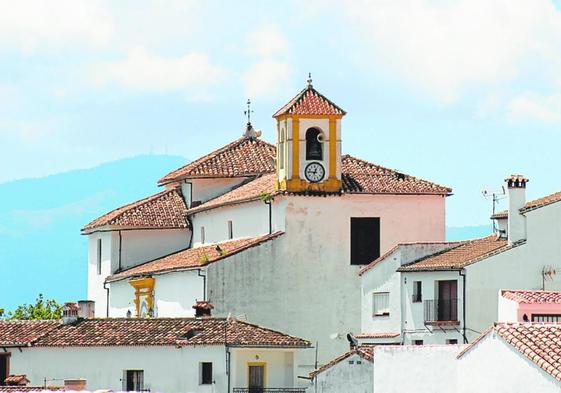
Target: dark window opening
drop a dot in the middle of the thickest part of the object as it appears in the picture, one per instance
(314, 148)
(365, 240)
(417, 342)
(546, 318)
(98, 256)
(134, 380)
(206, 373)
(230, 230)
(417, 291)
(452, 341)
(4, 367)
(447, 300)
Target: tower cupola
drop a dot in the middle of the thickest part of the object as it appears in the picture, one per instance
(309, 143)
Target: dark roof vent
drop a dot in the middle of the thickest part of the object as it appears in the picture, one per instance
(202, 308)
(190, 334)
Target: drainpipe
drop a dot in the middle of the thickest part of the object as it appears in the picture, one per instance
(204, 282)
(107, 301)
(269, 202)
(120, 249)
(462, 273)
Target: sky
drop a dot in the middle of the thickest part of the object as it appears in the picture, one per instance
(460, 92)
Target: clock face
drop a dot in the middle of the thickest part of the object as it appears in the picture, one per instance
(314, 172)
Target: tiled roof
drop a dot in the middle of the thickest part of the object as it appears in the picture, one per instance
(364, 177)
(38, 389)
(458, 257)
(22, 333)
(194, 257)
(365, 352)
(17, 379)
(532, 205)
(243, 157)
(540, 343)
(163, 210)
(359, 177)
(309, 102)
(532, 297)
(167, 331)
(378, 335)
(499, 215)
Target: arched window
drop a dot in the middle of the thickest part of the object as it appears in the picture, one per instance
(314, 148)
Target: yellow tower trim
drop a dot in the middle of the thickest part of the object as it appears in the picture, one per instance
(295, 148)
(144, 287)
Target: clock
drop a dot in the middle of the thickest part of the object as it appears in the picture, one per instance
(314, 172)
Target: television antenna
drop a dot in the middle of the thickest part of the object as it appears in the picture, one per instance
(496, 195)
(548, 272)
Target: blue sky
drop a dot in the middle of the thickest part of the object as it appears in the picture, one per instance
(460, 92)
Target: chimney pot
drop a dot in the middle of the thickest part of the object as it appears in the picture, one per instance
(86, 309)
(516, 201)
(203, 308)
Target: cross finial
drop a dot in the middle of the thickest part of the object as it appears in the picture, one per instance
(248, 111)
(309, 80)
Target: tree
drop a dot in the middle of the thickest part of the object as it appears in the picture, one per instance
(42, 309)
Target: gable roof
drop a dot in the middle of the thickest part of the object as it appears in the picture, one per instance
(240, 158)
(365, 352)
(359, 177)
(540, 343)
(193, 257)
(15, 333)
(460, 256)
(310, 102)
(167, 331)
(164, 210)
(531, 296)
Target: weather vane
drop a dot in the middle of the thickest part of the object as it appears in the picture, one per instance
(309, 79)
(248, 111)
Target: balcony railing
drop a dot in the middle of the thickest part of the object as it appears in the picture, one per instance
(441, 311)
(269, 390)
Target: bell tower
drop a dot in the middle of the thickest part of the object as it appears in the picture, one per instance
(309, 143)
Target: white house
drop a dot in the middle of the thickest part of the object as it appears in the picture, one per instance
(352, 372)
(334, 213)
(529, 306)
(512, 358)
(203, 354)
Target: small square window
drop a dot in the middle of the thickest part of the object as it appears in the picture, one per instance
(452, 341)
(230, 230)
(381, 304)
(351, 362)
(205, 377)
(417, 342)
(417, 291)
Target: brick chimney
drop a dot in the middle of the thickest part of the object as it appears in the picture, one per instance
(69, 313)
(202, 308)
(516, 200)
(86, 309)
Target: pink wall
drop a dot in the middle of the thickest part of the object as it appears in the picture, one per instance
(541, 308)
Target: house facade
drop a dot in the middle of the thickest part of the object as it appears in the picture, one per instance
(529, 306)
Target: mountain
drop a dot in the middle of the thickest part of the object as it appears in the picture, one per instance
(41, 249)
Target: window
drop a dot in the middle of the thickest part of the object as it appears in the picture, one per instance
(381, 304)
(546, 318)
(417, 291)
(417, 342)
(365, 240)
(133, 380)
(230, 230)
(451, 341)
(314, 148)
(4, 367)
(98, 256)
(202, 234)
(205, 373)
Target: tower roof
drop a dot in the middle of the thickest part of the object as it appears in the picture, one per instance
(310, 102)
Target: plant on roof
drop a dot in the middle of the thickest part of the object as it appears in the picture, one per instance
(204, 258)
(265, 197)
(41, 309)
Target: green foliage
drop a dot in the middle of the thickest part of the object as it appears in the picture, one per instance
(265, 197)
(42, 309)
(1, 312)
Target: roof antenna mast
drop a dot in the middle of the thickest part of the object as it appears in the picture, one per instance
(248, 111)
(309, 80)
(496, 195)
(250, 132)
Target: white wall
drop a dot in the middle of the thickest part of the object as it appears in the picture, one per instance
(174, 295)
(205, 189)
(280, 367)
(166, 368)
(351, 375)
(508, 310)
(306, 277)
(96, 292)
(419, 369)
(494, 366)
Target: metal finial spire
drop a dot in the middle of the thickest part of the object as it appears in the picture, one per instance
(309, 80)
(248, 111)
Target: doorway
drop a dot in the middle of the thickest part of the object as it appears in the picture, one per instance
(256, 377)
(4, 367)
(448, 300)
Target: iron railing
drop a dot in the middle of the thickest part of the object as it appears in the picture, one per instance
(269, 390)
(441, 310)
(416, 298)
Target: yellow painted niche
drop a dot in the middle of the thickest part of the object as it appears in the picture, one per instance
(144, 288)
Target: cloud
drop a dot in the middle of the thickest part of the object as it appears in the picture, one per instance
(268, 42)
(145, 71)
(446, 47)
(536, 107)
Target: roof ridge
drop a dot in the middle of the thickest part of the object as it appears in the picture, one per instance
(297, 99)
(267, 328)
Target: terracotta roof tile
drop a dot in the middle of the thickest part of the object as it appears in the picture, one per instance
(359, 177)
(458, 257)
(23, 333)
(365, 352)
(310, 102)
(540, 343)
(166, 331)
(194, 257)
(532, 205)
(19, 379)
(378, 335)
(243, 157)
(531, 296)
(499, 215)
(166, 209)
(38, 389)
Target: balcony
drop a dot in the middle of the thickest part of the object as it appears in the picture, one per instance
(441, 312)
(269, 390)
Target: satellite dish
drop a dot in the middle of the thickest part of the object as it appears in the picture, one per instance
(353, 341)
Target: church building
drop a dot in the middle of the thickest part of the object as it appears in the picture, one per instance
(275, 234)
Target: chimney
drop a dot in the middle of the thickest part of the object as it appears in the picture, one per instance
(516, 200)
(69, 313)
(202, 308)
(86, 309)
